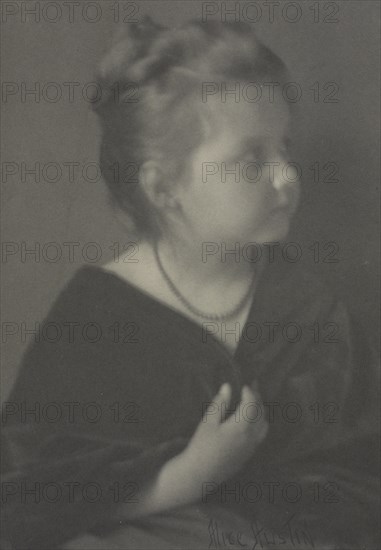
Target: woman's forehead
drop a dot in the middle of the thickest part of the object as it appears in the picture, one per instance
(250, 121)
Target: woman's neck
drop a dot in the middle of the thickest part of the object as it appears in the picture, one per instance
(205, 264)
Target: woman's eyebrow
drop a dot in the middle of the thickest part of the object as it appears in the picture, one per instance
(254, 145)
(257, 146)
(253, 142)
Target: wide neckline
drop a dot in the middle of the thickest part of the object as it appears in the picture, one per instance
(165, 308)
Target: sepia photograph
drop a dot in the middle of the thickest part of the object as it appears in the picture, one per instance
(190, 262)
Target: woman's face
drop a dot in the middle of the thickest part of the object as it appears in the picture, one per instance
(239, 186)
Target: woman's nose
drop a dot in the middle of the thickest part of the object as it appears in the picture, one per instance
(286, 175)
(286, 183)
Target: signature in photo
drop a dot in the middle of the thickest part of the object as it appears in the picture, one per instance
(289, 536)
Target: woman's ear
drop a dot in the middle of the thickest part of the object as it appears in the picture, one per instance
(156, 186)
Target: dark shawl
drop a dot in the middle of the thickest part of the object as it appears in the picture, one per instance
(150, 393)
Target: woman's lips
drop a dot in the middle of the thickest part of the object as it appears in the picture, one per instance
(285, 209)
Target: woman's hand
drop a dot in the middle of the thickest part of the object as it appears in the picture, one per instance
(217, 450)
(219, 447)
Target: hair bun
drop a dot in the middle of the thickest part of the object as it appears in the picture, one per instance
(147, 23)
(130, 43)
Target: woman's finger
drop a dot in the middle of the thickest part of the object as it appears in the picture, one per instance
(215, 411)
(248, 396)
(248, 414)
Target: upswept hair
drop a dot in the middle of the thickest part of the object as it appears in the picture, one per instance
(165, 120)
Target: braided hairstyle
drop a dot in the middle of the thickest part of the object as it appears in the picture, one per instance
(165, 118)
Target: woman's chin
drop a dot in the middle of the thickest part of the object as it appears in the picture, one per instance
(277, 227)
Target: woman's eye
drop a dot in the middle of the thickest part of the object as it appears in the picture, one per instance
(286, 149)
(252, 156)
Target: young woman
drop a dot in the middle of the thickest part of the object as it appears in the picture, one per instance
(173, 411)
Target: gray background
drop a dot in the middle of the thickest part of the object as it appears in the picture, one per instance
(345, 132)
